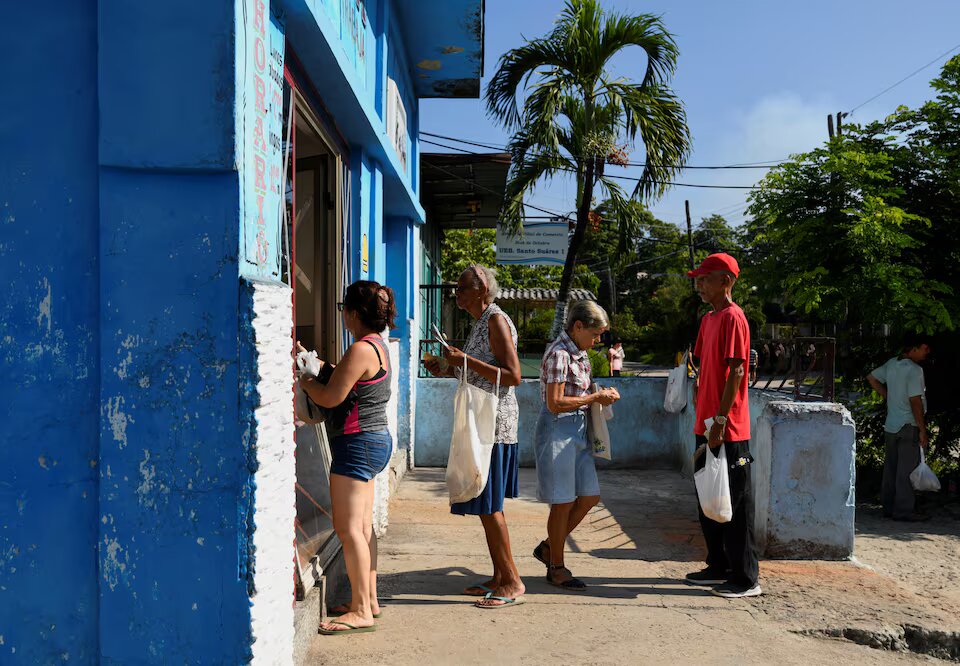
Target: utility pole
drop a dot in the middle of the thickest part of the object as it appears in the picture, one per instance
(830, 125)
(686, 205)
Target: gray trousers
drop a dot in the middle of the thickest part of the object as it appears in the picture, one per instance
(902, 457)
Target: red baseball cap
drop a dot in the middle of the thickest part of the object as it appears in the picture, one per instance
(717, 262)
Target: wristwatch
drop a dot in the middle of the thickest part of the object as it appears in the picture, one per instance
(720, 420)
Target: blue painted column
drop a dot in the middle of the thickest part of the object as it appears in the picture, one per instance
(173, 559)
(401, 245)
(361, 176)
(49, 350)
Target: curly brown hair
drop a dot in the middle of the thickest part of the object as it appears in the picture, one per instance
(373, 303)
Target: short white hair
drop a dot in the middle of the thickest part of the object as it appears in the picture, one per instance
(485, 276)
(589, 313)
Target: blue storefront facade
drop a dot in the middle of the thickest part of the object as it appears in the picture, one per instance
(184, 189)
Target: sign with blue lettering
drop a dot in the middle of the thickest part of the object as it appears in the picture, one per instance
(261, 152)
(542, 243)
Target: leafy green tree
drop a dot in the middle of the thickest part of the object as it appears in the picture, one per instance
(577, 115)
(828, 236)
(864, 232)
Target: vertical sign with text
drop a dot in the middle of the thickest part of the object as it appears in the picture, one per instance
(261, 163)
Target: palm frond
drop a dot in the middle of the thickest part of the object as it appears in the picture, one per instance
(656, 114)
(647, 32)
(524, 176)
(514, 69)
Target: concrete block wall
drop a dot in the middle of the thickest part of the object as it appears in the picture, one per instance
(808, 507)
(642, 433)
(273, 446)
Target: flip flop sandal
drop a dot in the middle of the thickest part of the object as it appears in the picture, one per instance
(335, 612)
(478, 586)
(573, 584)
(538, 554)
(507, 602)
(349, 630)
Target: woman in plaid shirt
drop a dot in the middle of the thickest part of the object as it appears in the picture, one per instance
(566, 476)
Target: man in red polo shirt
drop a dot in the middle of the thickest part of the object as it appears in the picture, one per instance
(723, 347)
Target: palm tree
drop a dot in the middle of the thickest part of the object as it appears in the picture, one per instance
(577, 117)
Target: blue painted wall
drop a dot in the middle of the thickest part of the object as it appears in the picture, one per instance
(49, 354)
(126, 495)
(173, 469)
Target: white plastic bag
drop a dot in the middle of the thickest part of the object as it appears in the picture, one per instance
(923, 479)
(308, 363)
(676, 398)
(713, 486)
(597, 431)
(471, 445)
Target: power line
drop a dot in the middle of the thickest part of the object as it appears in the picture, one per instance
(747, 165)
(630, 178)
(908, 76)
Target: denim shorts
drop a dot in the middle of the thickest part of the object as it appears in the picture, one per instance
(565, 466)
(361, 455)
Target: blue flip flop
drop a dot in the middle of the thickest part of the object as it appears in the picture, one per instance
(479, 586)
(507, 602)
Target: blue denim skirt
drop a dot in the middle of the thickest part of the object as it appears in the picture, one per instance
(361, 455)
(502, 481)
(565, 466)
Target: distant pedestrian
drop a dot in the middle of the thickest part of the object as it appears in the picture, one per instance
(492, 345)
(615, 355)
(901, 383)
(361, 445)
(566, 475)
(721, 394)
(754, 362)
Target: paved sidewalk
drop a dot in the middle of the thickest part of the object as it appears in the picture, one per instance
(632, 551)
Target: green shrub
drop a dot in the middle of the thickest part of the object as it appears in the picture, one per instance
(599, 366)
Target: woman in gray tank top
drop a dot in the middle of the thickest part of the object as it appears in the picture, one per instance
(360, 444)
(492, 345)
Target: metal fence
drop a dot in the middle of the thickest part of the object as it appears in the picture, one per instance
(801, 367)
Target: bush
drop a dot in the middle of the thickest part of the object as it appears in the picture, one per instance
(599, 366)
(538, 325)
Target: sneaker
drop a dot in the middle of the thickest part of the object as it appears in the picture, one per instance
(734, 591)
(707, 576)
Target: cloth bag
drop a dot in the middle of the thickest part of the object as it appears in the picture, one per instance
(922, 478)
(713, 486)
(676, 397)
(597, 431)
(471, 444)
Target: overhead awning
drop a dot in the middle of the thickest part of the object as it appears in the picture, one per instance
(463, 191)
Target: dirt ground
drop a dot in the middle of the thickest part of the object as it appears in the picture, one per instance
(633, 551)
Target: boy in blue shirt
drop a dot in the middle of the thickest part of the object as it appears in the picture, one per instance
(900, 382)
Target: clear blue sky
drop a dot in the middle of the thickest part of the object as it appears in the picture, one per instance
(758, 78)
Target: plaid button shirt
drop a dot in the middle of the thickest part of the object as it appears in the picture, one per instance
(565, 363)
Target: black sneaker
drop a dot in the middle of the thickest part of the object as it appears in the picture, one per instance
(707, 576)
(735, 591)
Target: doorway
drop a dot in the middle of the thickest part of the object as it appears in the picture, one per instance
(315, 268)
